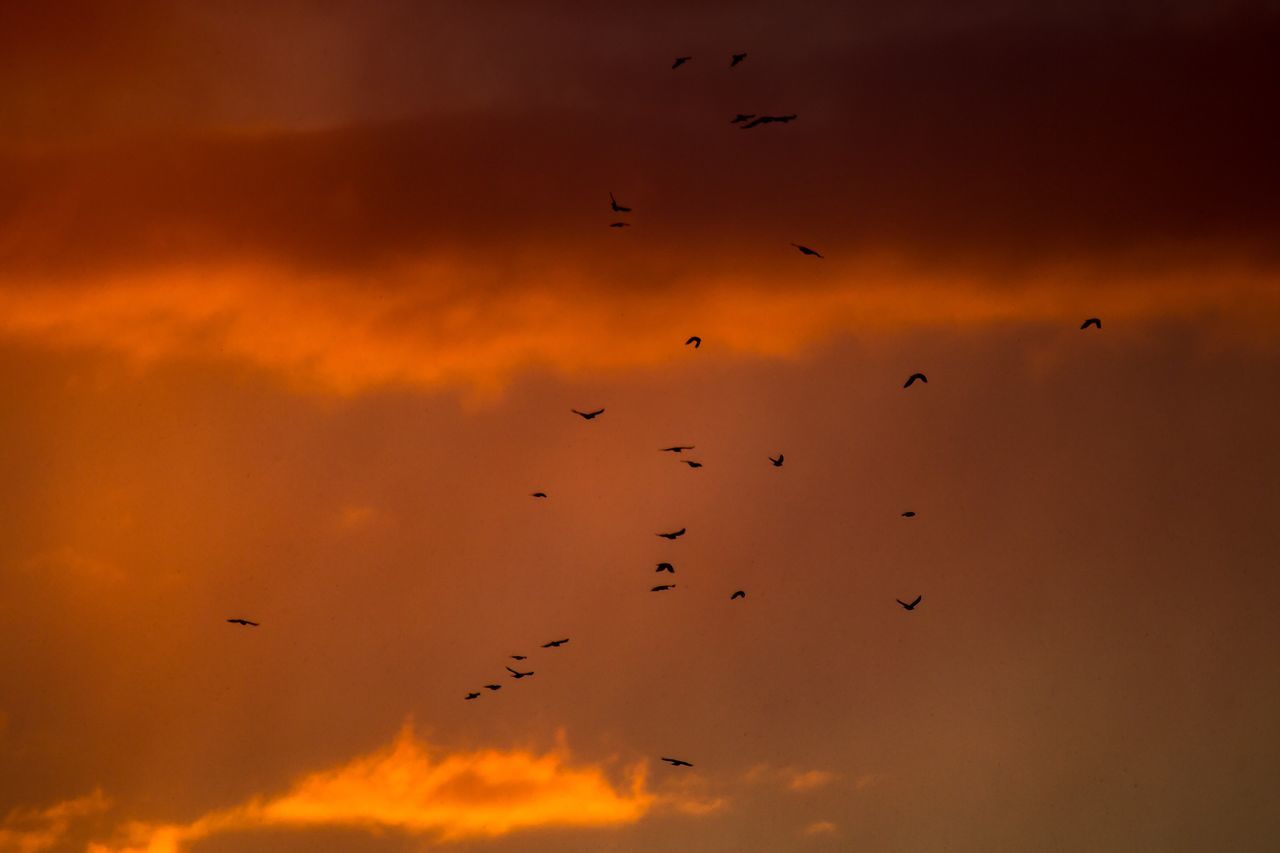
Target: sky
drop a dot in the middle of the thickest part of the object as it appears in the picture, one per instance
(296, 299)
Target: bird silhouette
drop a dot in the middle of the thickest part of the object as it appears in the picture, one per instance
(777, 463)
(1092, 321)
(768, 120)
(554, 644)
(244, 622)
(619, 224)
(518, 657)
(680, 60)
(615, 207)
(663, 587)
(691, 463)
(913, 377)
(675, 535)
(736, 58)
(695, 340)
(805, 250)
(675, 762)
(909, 514)
(666, 567)
(741, 117)
(588, 415)
(912, 605)
(677, 448)
(473, 696)
(493, 686)
(739, 594)
(516, 674)
(538, 495)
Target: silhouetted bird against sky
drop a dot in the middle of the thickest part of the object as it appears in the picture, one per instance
(913, 377)
(674, 535)
(734, 59)
(619, 224)
(1092, 321)
(777, 463)
(695, 340)
(805, 250)
(741, 117)
(663, 587)
(493, 686)
(909, 514)
(518, 657)
(691, 463)
(768, 120)
(615, 207)
(912, 605)
(473, 696)
(680, 60)
(739, 594)
(587, 415)
(677, 448)
(243, 622)
(675, 762)
(666, 567)
(538, 495)
(554, 644)
(515, 674)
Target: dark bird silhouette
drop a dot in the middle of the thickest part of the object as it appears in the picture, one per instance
(473, 696)
(493, 686)
(675, 762)
(663, 587)
(777, 463)
(538, 495)
(677, 448)
(768, 120)
(741, 117)
(913, 377)
(739, 594)
(554, 644)
(676, 535)
(615, 207)
(680, 60)
(912, 605)
(735, 58)
(691, 463)
(619, 224)
(244, 622)
(588, 415)
(1092, 321)
(695, 340)
(666, 567)
(805, 250)
(515, 674)
(909, 514)
(518, 657)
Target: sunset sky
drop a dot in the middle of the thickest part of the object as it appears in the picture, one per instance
(296, 298)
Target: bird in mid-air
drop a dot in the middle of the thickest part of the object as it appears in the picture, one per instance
(677, 448)
(909, 514)
(741, 117)
(675, 762)
(912, 605)
(739, 594)
(518, 657)
(691, 463)
(759, 120)
(777, 463)
(615, 207)
(735, 58)
(619, 224)
(244, 622)
(680, 60)
(663, 587)
(674, 535)
(666, 567)
(1092, 321)
(493, 687)
(586, 416)
(473, 696)
(554, 644)
(695, 340)
(538, 495)
(805, 250)
(913, 377)
(516, 674)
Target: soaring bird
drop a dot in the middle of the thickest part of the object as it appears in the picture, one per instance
(695, 340)
(493, 686)
(680, 60)
(736, 58)
(244, 622)
(666, 567)
(619, 224)
(587, 415)
(663, 587)
(555, 644)
(538, 495)
(677, 448)
(909, 514)
(675, 762)
(739, 594)
(741, 117)
(1092, 321)
(518, 657)
(473, 696)
(913, 377)
(691, 463)
(912, 605)
(805, 250)
(777, 463)
(515, 674)
(768, 120)
(617, 208)
(676, 535)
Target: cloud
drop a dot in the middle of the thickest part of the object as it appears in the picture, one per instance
(791, 778)
(820, 827)
(34, 830)
(809, 780)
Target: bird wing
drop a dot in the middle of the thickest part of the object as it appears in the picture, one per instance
(754, 123)
(512, 671)
(917, 601)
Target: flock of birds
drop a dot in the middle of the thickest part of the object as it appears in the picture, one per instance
(745, 121)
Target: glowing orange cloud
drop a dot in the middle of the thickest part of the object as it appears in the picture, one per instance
(34, 830)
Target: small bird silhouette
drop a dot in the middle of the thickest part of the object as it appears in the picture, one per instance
(909, 514)
(538, 495)
(768, 120)
(619, 224)
(245, 622)
(677, 448)
(695, 340)
(515, 674)
(493, 686)
(554, 644)
(588, 415)
(777, 463)
(691, 463)
(912, 605)
(518, 657)
(663, 587)
(666, 567)
(1092, 321)
(805, 250)
(739, 594)
(615, 207)
(675, 762)
(913, 377)
(680, 60)
(473, 696)
(675, 535)
(741, 117)
(735, 58)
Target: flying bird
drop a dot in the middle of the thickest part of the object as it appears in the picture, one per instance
(586, 416)
(515, 674)
(554, 644)
(666, 567)
(473, 696)
(913, 377)
(663, 587)
(805, 250)
(909, 514)
(912, 605)
(538, 495)
(244, 622)
(777, 463)
(736, 58)
(741, 117)
(1092, 321)
(680, 60)
(739, 594)
(619, 224)
(675, 762)
(677, 448)
(492, 687)
(768, 120)
(691, 463)
(518, 657)
(676, 535)
(617, 208)
(695, 340)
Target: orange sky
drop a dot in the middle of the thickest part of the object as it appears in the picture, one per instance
(295, 300)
